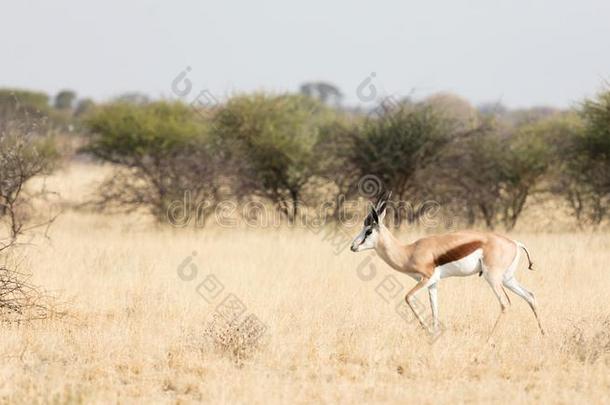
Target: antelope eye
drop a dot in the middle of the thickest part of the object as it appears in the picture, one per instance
(368, 232)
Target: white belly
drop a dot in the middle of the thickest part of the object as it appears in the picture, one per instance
(466, 266)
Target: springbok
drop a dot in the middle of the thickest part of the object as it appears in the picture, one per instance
(455, 254)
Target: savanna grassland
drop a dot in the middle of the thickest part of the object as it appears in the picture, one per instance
(136, 332)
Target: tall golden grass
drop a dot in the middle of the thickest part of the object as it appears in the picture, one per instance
(137, 332)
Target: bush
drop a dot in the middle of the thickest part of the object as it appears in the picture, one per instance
(26, 151)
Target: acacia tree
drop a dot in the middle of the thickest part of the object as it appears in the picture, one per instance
(584, 164)
(327, 93)
(64, 100)
(162, 151)
(397, 147)
(268, 141)
(495, 171)
(527, 159)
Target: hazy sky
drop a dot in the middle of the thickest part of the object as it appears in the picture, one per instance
(523, 53)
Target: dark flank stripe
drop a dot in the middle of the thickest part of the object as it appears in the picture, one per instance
(457, 253)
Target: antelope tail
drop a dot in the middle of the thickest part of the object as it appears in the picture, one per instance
(531, 264)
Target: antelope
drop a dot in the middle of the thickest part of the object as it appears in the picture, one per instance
(455, 254)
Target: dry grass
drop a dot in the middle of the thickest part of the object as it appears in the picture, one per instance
(138, 332)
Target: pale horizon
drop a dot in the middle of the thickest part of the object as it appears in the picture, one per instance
(518, 53)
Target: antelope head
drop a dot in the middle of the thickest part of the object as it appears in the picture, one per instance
(369, 235)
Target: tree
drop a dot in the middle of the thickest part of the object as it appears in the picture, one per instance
(584, 164)
(163, 151)
(327, 93)
(397, 147)
(490, 109)
(529, 115)
(454, 108)
(334, 162)
(495, 171)
(83, 107)
(133, 98)
(23, 105)
(528, 157)
(269, 141)
(64, 100)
